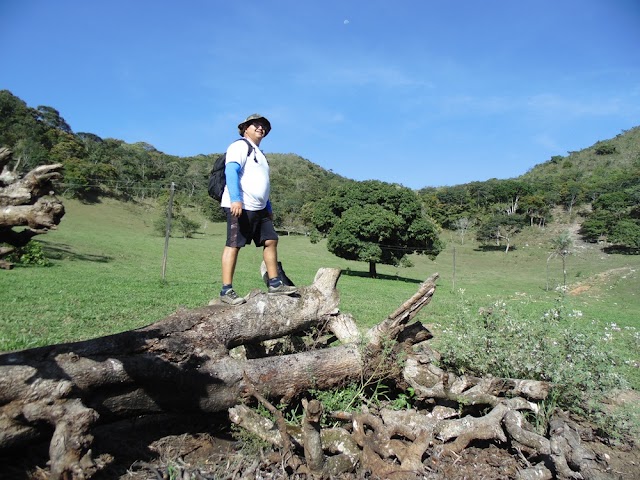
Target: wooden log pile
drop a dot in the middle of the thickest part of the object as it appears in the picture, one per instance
(276, 350)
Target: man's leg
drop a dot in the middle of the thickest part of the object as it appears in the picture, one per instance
(270, 256)
(229, 260)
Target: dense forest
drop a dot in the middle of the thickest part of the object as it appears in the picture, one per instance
(601, 183)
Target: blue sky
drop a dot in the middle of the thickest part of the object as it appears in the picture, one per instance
(422, 93)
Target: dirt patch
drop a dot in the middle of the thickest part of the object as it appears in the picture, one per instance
(580, 290)
(593, 284)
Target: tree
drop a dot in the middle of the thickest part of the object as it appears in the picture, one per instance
(508, 192)
(627, 232)
(605, 148)
(561, 248)
(537, 209)
(571, 193)
(376, 222)
(500, 228)
(462, 226)
(615, 216)
(597, 226)
(22, 132)
(51, 117)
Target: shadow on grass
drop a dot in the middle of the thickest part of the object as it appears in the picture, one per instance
(94, 197)
(64, 252)
(621, 250)
(354, 273)
(494, 248)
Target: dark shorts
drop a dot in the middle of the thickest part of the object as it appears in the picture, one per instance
(256, 226)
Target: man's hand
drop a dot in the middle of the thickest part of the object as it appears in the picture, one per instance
(236, 209)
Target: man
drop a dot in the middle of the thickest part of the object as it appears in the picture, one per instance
(245, 201)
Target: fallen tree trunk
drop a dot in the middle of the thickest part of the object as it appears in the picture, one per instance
(26, 202)
(213, 358)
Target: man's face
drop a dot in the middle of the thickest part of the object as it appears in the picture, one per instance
(256, 131)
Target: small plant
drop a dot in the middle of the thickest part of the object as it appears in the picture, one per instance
(31, 254)
(341, 399)
(251, 444)
(403, 401)
(540, 419)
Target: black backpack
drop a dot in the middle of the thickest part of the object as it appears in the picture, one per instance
(217, 178)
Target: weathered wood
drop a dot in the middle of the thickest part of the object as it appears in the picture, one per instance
(26, 202)
(41, 216)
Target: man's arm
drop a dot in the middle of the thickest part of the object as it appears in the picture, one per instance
(231, 171)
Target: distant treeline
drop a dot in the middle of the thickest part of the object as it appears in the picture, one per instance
(603, 179)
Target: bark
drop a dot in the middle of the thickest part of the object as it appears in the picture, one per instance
(27, 203)
(206, 360)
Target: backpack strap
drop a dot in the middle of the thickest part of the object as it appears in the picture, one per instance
(250, 148)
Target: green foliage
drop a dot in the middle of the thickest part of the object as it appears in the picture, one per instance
(627, 232)
(296, 184)
(562, 243)
(51, 117)
(616, 217)
(29, 255)
(179, 222)
(581, 177)
(370, 391)
(343, 399)
(557, 348)
(376, 222)
(18, 124)
(500, 228)
(315, 237)
(250, 444)
(597, 226)
(403, 401)
(187, 226)
(605, 148)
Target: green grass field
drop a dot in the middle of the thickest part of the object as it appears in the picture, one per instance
(106, 277)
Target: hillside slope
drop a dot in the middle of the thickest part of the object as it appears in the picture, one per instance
(606, 158)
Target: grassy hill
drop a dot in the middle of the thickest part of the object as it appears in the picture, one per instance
(617, 155)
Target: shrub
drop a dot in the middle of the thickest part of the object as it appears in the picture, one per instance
(182, 223)
(187, 226)
(30, 254)
(605, 148)
(557, 347)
